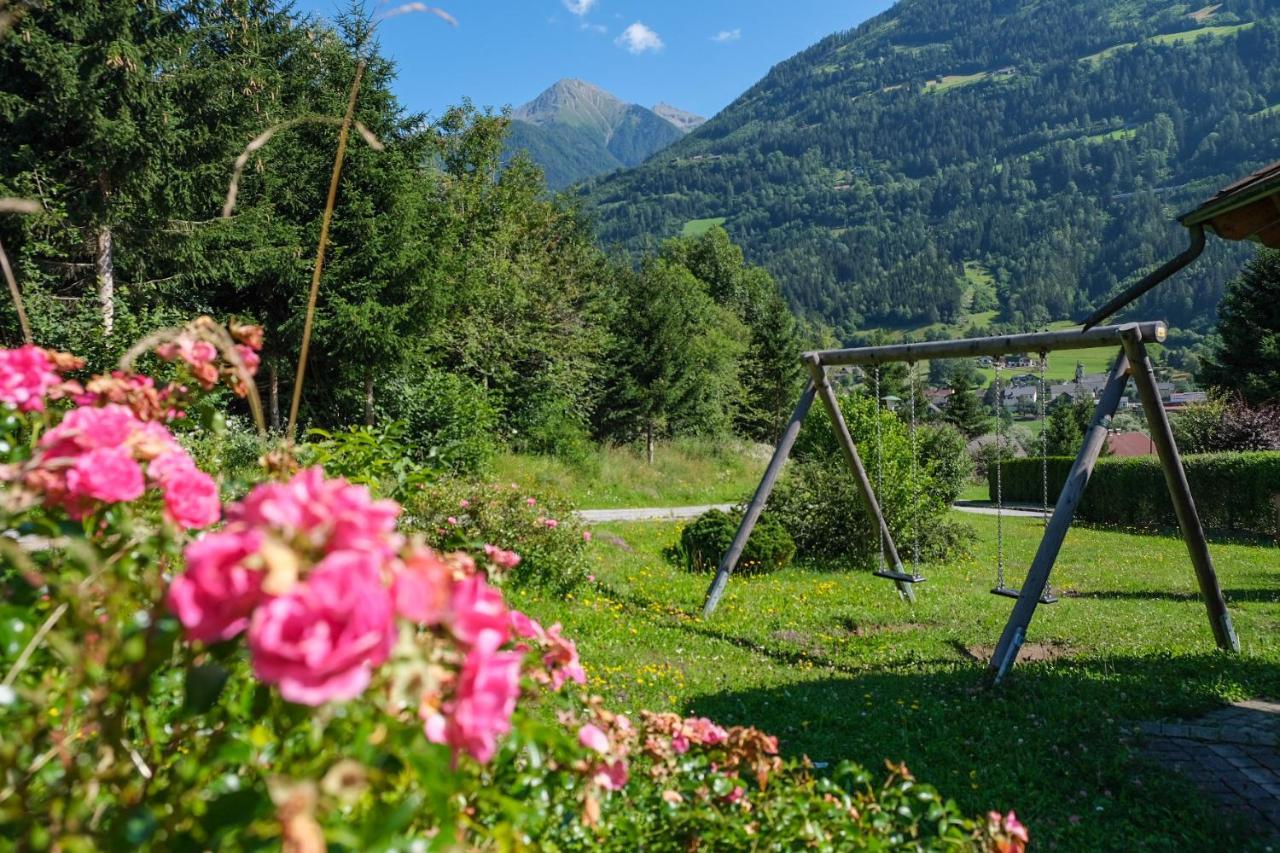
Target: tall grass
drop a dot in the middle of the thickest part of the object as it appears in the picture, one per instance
(685, 472)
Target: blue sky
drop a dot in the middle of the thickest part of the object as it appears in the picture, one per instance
(696, 54)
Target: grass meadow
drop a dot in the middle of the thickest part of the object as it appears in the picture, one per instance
(836, 665)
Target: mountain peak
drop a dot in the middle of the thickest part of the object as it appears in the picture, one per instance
(682, 119)
(572, 101)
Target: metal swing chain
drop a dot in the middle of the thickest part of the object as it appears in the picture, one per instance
(879, 464)
(1044, 440)
(915, 480)
(999, 477)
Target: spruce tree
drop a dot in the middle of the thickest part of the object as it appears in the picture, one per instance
(1247, 358)
(964, 409)
(90, 129)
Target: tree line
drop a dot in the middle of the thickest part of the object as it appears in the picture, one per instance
(457, 291)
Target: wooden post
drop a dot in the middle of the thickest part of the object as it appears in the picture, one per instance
(850, 450)
(730, 560)
(1184, 504)
(1015, 631)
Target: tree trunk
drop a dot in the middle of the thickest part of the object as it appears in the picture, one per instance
(273, 394)
(648, 441)
(105, 267)
(368, 396)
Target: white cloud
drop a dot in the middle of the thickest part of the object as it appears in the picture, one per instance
(726, 36)
(598, 29)
(579, 7)
(638, 38)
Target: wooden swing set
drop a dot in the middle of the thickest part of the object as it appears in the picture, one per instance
(1132, 361)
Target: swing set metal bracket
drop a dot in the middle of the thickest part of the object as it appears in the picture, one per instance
(1130, 339)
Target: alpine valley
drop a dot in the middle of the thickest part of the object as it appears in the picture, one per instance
(977, 161)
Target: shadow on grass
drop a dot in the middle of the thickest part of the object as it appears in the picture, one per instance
(1057, 742)
(1262, 596)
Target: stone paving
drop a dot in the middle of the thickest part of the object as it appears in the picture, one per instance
(1232, 753)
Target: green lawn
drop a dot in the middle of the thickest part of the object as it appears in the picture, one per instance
(684, 473)
(839, 667)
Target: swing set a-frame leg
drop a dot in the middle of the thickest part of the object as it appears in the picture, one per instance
(1180, 491)
(730, 559)
(859, 472)
(1015, 631)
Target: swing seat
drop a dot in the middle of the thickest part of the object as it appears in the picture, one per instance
(1010, 592)
(903, 577)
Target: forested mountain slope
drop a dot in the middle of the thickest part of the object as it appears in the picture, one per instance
(575, 130)
(947, 156)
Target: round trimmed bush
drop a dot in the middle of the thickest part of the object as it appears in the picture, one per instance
(705, 541)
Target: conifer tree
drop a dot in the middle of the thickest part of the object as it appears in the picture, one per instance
(1247, 357)
(964, 409)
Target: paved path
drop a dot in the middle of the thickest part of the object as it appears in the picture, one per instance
(1230, 753)
(680, 513)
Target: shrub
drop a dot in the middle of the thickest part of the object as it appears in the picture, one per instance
(377, 457)
(449, 421)
(704, 541)
(1227, 424)
(455, 513)
(818, 502)
(1233, 491)
(942, 451)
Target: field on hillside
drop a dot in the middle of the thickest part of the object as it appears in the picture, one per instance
(1062, 364)
(839, 667)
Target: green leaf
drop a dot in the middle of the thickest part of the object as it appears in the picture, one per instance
(203, 687)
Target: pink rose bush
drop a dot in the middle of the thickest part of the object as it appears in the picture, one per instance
(429, 689)
(29, 376)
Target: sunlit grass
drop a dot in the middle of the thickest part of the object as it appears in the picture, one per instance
(684, 473)
(839, 667)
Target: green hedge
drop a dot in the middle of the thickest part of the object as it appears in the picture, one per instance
(1233, 491)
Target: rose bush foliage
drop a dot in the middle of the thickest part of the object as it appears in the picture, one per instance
(295, 669)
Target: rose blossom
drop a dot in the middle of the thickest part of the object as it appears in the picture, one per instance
(26, 375)
(562, 659)
(478, 614)
(190, 496)
(592, 738)
(421, 588)
(500, 558)
(481, 711)
(320, 641)
(330, 515)
(107, 474)
(214, 597)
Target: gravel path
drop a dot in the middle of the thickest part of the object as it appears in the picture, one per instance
(680, 513)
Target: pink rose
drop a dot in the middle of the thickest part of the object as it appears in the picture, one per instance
(249, 358)
(320, 642)
(191, 499)
(561, 659)
(586, 536)
(478, 614)
(611, 776)
(26, 375)
(214, 597)
(331, 515)
(526, 628)
(107, 474)
(481, 711)
(592, 738)
(421, 588)
(500, 558)
(529, 501)
(551, 523)
(705, 732)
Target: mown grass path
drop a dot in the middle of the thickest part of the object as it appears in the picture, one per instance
(837, 666)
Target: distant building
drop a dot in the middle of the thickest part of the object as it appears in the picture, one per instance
(1126, 444)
